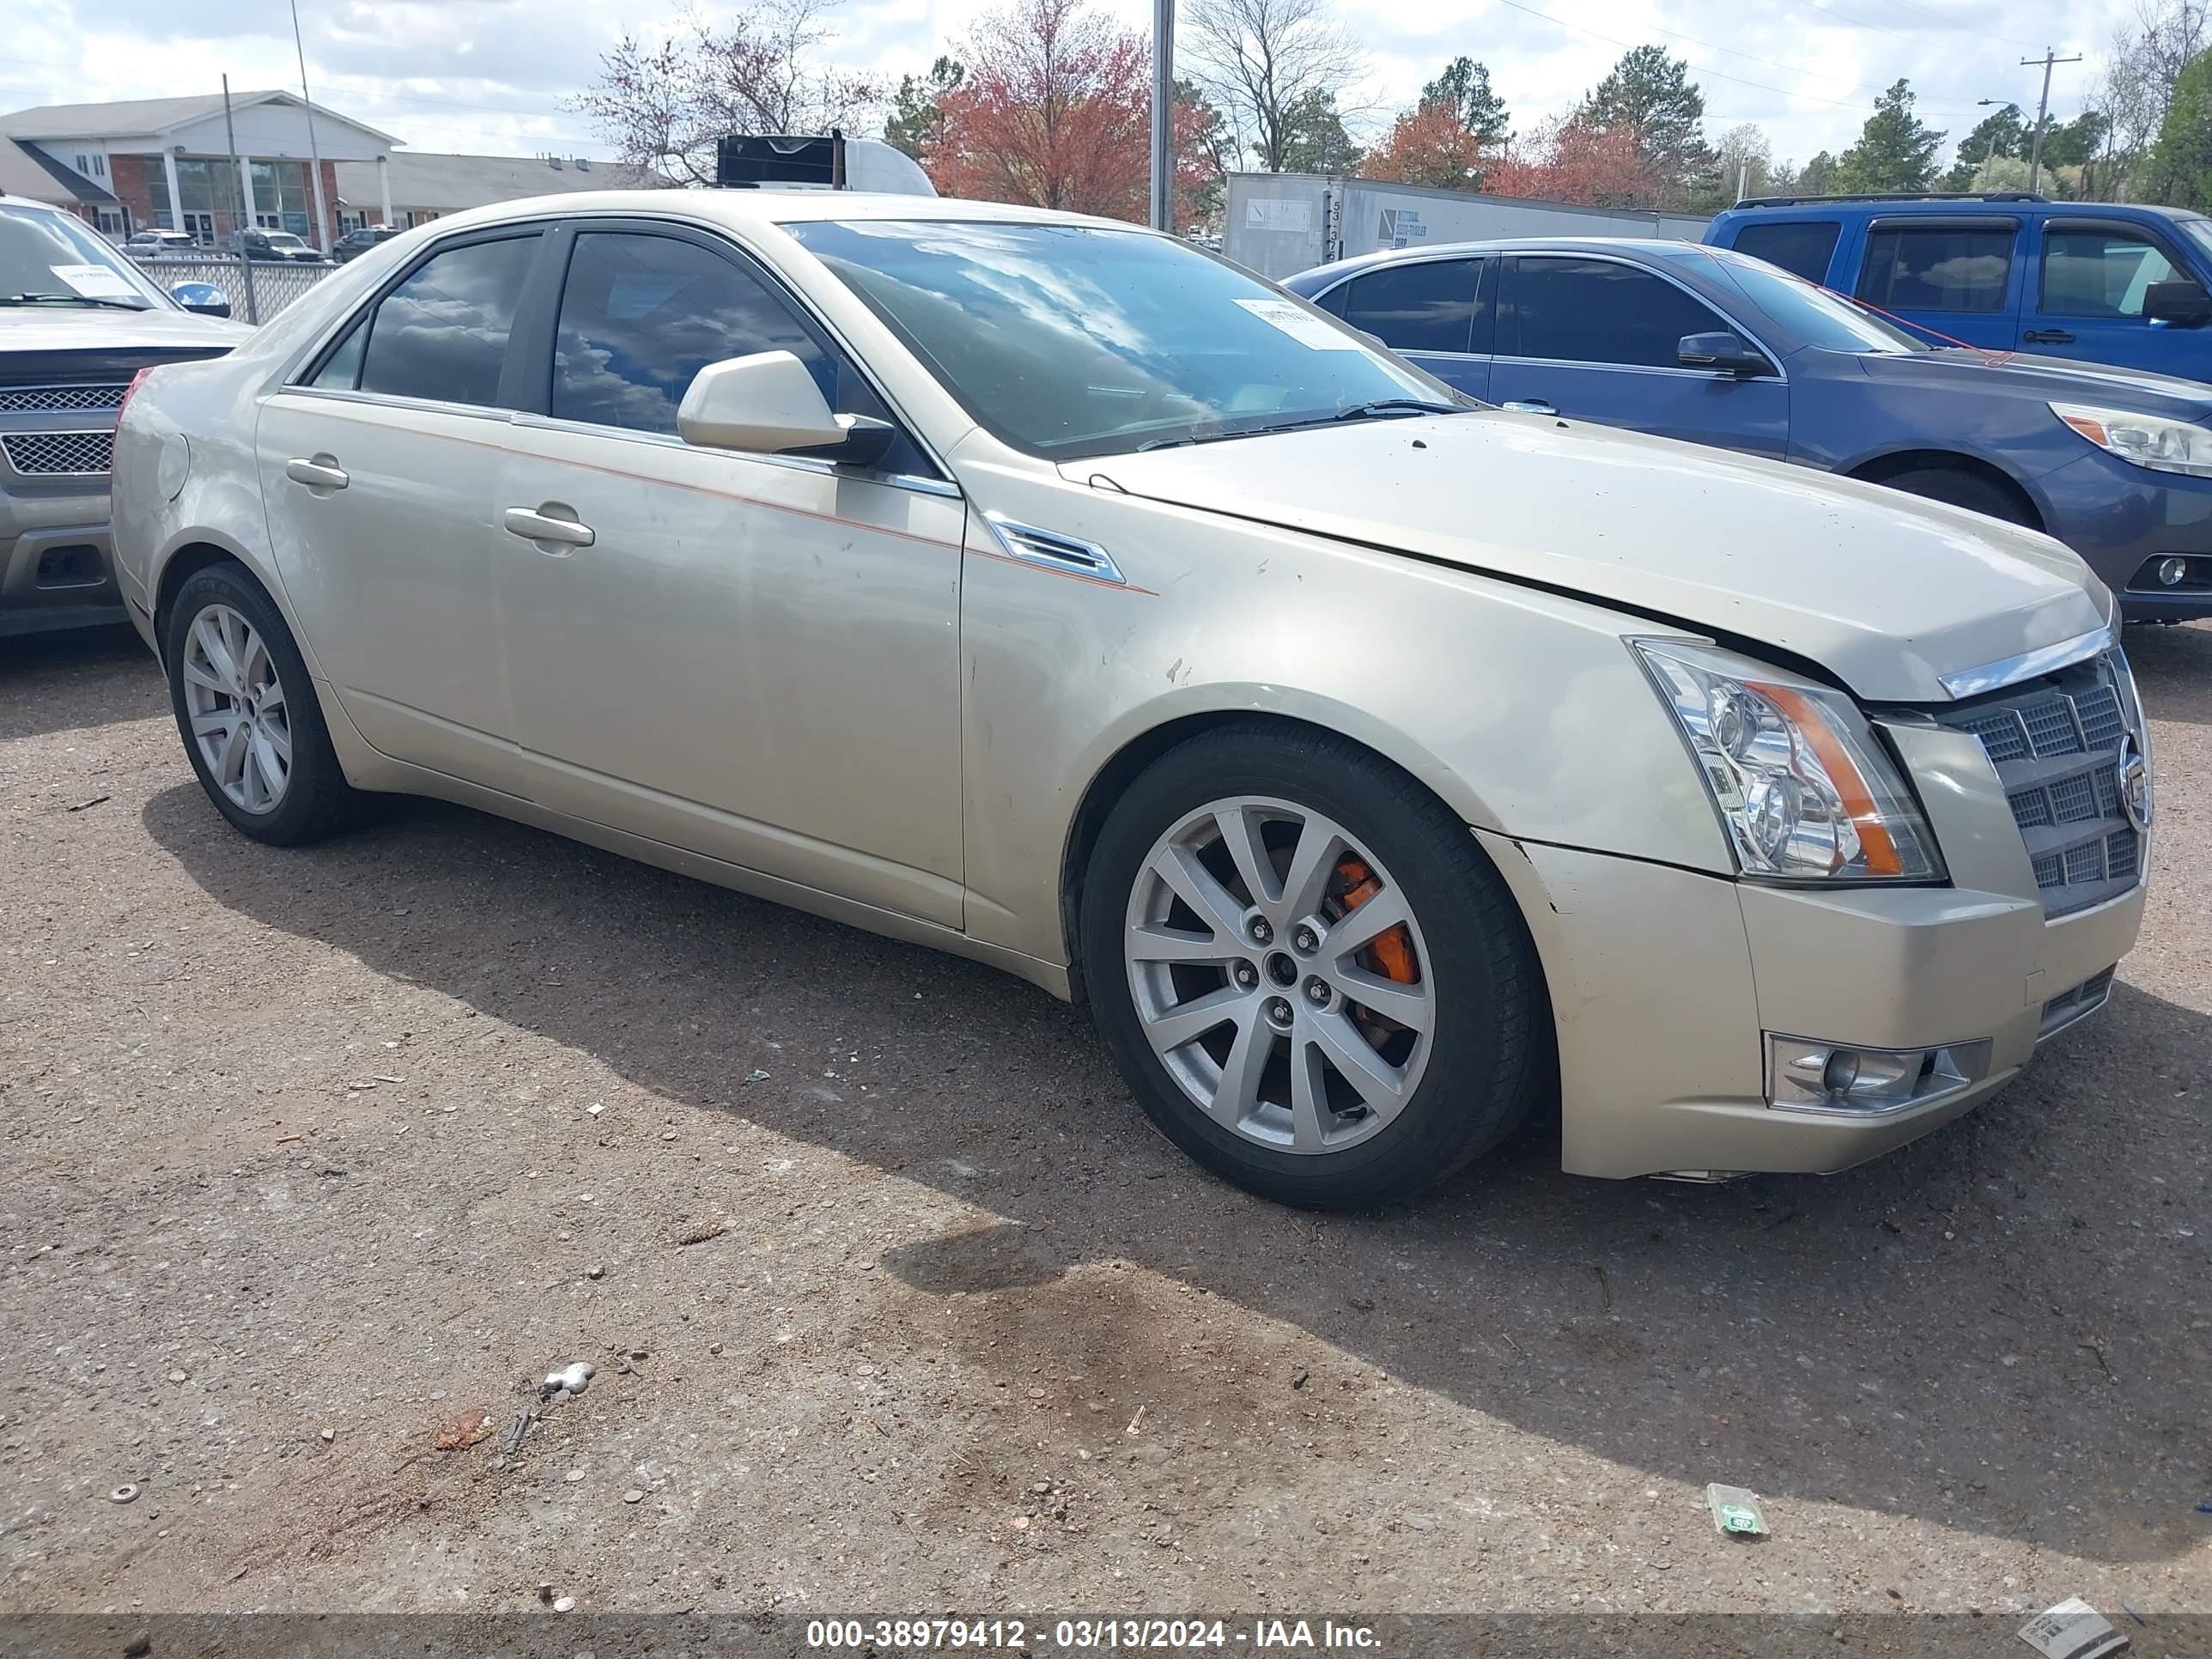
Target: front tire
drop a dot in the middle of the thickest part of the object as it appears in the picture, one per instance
(247, 712)
(1306, 969)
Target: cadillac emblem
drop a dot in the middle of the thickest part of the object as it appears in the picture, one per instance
(2135, 785)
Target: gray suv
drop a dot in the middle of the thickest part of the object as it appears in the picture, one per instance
(77, 321)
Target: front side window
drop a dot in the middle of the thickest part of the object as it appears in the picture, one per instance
(1069, 341)
(1802, 248)
(1424, 307)
(1594, 311)
(442, 334)
(1962, 268)
(641, 315)
(2091, 271)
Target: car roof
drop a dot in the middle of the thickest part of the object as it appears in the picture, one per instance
(743, 209)
(1887, 207)
(1656, 248)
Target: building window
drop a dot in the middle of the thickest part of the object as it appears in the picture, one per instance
(113, 221)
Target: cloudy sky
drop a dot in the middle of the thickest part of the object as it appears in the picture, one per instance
(494, 75)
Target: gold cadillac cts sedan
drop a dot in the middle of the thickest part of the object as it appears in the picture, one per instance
(1379, 766)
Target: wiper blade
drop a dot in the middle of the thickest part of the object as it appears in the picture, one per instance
(72, 300)
(1382, 406)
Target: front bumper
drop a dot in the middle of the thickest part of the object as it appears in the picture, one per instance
(2121, 519)
(1664, 981)
(57, 566)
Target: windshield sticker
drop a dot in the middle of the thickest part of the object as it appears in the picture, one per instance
(95, 282)
(1300, 324)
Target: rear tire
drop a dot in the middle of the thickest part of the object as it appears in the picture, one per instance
(1959, 488)
(1278, 1095)
(247, 712)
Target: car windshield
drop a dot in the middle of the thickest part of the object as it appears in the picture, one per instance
(1070, 341)
(52, 258)
(284, 239)
(1814, 315)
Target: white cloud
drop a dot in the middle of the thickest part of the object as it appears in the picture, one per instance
(492, 76)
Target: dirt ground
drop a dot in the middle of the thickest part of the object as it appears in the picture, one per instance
(311, 1156)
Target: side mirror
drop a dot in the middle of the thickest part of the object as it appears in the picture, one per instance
(205, 298)
(769, 404)
(2183, 304)
(1728, 353)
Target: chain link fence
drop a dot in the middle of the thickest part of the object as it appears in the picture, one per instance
(258, 289)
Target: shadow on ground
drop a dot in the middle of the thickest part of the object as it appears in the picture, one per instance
(78, 679)
(1991, 1327)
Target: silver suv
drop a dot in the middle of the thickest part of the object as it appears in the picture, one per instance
(77, 322)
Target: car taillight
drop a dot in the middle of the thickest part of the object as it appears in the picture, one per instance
(131, 391)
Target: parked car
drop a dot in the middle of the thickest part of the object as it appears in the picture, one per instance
(281, 246)
(1718, 347)
(354, 243)
(150, 243)
(1378, 766)
(2103, 282)
(77, 321)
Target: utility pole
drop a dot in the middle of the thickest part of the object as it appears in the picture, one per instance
(237, 217)
(1163, 171)
(322, 236)
(2042, 110)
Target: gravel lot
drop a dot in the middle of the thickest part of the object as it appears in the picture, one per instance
(311, 1155)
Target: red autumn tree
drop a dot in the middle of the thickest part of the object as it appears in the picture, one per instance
(1055, 111)
(1430, 144)
(1571, 161)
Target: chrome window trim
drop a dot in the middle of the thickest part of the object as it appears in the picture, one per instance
(2044, 660)
(527, 421)
(1634, 368)
(1771, 356)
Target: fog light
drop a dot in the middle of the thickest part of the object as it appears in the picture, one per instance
(1807, 1075)
(2173, 572)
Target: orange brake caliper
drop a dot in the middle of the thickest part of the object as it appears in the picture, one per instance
(1391, 950)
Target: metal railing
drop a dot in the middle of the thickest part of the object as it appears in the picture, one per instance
(258, 289)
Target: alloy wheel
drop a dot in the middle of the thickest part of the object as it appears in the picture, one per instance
(236, 703)
(1279, 975)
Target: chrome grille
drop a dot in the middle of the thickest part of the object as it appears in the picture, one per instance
(2056, 746)
(58, 453)
(16, 399)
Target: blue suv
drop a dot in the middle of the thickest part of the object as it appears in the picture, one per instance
(2106, 283)
(1710, 345)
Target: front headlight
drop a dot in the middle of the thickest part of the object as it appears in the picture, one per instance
(1803, 786)
(2150, 441)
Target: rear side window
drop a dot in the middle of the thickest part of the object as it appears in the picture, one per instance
(1428, 307)
(1962, 268)
(1802, 249)
(2099, 270)
(442, 333)
(1592, 311)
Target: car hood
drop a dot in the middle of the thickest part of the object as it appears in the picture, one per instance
(98, 328)
(2062, 379)
(1888, 592)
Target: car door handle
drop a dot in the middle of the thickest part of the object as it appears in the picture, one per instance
(536, 525)
(322, 472)
(2048, 336)
(1528, 406)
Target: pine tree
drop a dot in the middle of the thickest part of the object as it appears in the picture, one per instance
(1650, 94)
(917, 107)
(1464, 90)
(1895, 150)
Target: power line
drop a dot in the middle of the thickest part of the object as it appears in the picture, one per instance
(1630, 46)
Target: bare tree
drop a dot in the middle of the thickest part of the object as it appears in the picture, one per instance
(2144, 60)
(1263, 62)
(662, 104)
